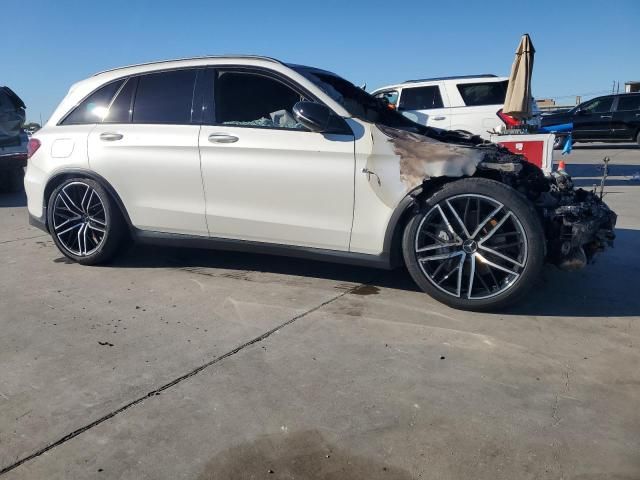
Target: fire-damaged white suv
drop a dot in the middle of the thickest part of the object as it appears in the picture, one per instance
(248, 153)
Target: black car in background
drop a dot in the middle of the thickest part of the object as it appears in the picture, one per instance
(13, 141)
(611, 118)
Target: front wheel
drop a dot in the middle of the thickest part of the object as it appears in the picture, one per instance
(84, 221)
(476, 244)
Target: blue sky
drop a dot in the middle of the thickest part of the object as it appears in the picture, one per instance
(582, 46)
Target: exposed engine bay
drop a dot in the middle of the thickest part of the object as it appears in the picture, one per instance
(577, 223)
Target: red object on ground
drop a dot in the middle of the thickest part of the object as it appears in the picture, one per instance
(533, 150)
(562, 165)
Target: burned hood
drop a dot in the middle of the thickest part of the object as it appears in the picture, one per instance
(402, 160)
(422, 157)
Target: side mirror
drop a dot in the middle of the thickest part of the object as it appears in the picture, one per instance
(582, 112)
(315, 116)
(320, 118)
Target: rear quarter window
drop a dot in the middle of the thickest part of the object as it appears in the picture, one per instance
(95, 107)
(483, 93)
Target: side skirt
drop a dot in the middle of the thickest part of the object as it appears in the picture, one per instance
(233, 245)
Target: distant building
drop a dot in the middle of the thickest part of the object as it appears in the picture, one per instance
(546, 102)
(631, 87)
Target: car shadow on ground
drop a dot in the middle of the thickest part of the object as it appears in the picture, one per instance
(608, 288)
(18, 199)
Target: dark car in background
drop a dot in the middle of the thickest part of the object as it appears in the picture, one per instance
(13, 141)
(611, 118)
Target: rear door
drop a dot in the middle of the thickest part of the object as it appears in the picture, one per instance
(147, 149)
(425, 105)
(592, 121)
(625, 123)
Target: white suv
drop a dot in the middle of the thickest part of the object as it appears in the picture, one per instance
(469, 103)
(248, 153)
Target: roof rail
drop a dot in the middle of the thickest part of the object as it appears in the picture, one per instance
(203, 57)
(455, 77)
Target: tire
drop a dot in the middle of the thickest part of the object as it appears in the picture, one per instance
(85, 223)
(638, 138)
(459, 266)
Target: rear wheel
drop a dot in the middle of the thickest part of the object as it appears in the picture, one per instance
(476, 245)
(84, 221)
(638, 138)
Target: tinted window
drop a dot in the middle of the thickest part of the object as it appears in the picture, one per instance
(420, 98)
(630, 102)
(252, 99)
(599, 105)
(120, 109)
(487, 93)
(164, 97)
(95, 107)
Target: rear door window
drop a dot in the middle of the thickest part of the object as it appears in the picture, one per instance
(254, 100)
(95, 107)
(485, 93)
(629, 103)
(421, 98)
(165, 97)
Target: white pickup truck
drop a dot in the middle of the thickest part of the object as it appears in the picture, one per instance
(470, 103)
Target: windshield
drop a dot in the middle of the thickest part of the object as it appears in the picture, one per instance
(357, 102)
(365, 106)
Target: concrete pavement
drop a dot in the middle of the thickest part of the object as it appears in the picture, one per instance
(200, 364)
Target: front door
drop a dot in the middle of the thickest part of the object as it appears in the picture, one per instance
(147, 149)
(266, 177)
(593, 120)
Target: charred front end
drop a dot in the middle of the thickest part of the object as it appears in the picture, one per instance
(577, 223)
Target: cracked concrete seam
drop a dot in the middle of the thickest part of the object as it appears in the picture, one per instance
(174, 382)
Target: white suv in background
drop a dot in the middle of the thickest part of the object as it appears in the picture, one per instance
(470, 103)
(249, 153)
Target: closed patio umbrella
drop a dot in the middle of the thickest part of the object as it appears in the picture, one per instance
(518, 101)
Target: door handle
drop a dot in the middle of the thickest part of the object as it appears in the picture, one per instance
(439, 118)
(605, 116)
(222, 138)
(110, 137)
